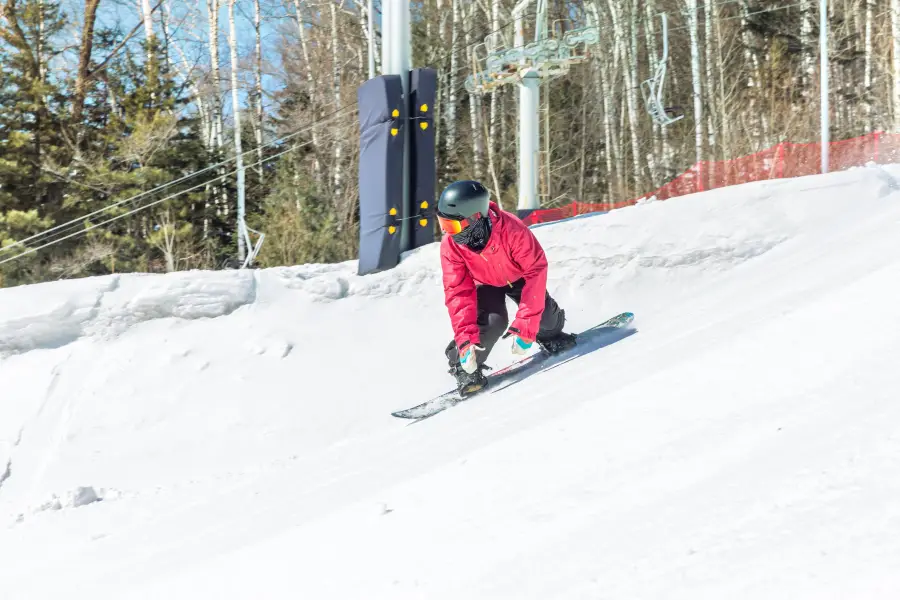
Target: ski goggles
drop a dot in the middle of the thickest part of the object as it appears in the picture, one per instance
(454, 226)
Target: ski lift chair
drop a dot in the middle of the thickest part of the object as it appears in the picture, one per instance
(652, 88)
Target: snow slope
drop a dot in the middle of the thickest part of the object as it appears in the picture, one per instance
(228, 435)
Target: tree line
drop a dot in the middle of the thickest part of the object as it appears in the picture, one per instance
(120, 125)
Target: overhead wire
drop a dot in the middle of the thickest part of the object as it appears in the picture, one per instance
(607, 29)
(743, 16)
(328, 117)
(610, 28)
(154, 203)
(79, 220)
(723, 3)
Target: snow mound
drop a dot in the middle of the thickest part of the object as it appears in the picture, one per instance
(74, 498)
(51, 315)
(80, 496)
(328, 283)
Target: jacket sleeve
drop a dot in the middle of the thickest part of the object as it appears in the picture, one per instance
(460, 297)
(528, 253)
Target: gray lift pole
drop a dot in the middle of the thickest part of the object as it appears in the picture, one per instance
(529, 107)
(549, 56)
(528, 65)
(529, 139)
(396, 59)
(371, 31)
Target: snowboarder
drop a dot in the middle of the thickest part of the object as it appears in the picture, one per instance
(488, 255)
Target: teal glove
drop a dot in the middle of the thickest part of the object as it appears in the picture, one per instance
(468, 359)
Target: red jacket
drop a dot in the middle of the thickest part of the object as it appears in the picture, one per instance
(513, 252)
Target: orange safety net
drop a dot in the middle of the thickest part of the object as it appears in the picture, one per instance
(779, 162)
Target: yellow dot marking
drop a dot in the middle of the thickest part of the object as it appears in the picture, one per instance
(424, 126)
(423, 222)
(424, 108)
(424, 204)
(392, 229)
(394, 130)
(392, 212)
(396, 113)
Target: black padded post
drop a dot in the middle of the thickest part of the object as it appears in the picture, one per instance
(422, 171)
(382, 119)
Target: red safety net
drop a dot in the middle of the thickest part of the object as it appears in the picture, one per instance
(782, 161)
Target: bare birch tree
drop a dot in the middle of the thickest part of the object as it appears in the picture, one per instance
(215, 86)
(236, 111)
(867, 76)
(622, 28)
(310, 80)
(452, 78)
(259, 121)
(653, 60)
(757, 129)
(337, 169)
(492, 141)
(475, 116)
(693, 29)
(807, 21)
(710, 82)
(895, 34)
(724, 117)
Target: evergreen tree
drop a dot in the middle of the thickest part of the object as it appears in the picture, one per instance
(30, 194)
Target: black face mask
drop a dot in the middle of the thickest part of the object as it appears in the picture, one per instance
(476, 235)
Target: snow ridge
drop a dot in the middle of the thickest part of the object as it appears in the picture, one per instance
(6, 474)
(328, 283)
(53, 315)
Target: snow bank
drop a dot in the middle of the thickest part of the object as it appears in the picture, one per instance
(80, 496)
(51, 315)
(740, 444)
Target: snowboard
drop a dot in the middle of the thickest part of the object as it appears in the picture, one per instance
(594, 338)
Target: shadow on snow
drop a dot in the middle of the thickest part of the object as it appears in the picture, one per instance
(589, 341)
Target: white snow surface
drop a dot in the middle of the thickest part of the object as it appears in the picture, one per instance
(228, 435)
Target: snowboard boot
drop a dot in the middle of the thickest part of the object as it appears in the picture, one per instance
(558, 343)
(469, 383)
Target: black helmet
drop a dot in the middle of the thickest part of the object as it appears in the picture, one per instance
(463, 200)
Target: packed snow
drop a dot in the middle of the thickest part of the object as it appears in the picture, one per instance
(228, 435)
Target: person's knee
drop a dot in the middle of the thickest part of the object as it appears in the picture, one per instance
(451, 352)
(497, 324)
(561, 320)
(553, 321)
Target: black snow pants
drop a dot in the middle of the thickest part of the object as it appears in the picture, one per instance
(493, 318)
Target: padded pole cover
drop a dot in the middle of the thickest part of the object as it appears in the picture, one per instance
(423, 169)
(382, 117)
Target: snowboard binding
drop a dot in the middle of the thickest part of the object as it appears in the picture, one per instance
(469, 384)
(558, 343)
